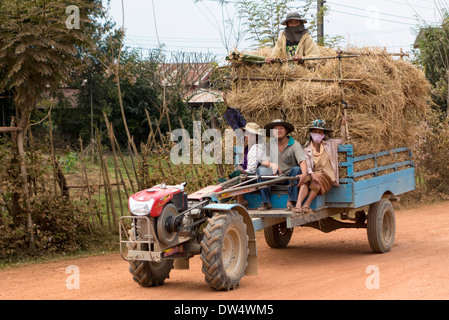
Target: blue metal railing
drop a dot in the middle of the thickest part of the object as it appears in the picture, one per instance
(350, 160)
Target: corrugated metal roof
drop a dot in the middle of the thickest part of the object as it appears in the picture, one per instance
(206, 96)
(193, 74)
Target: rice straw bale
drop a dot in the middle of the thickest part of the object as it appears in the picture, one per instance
(387, 97)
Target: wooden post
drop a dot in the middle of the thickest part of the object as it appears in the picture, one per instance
(25, 190)
(85, 176)
(117, 165)
(103, 167)
(52, 152)
(131, 182)
(153, 136)
(219, 164)
(447, 95)
(139, 186)
(119, 194)
(109, 191)
(10, 129)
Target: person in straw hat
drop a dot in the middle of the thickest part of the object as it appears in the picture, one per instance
(286, 157)
(294, 42)
(322, 164)
(254, 148)
(255, 142)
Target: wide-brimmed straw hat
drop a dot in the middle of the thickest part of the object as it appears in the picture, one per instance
(252, 127)
(293, 16)
(318, 124)
(279, 122)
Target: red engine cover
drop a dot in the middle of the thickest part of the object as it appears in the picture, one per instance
(160, 195)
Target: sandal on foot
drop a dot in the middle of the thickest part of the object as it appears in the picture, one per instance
(290, 207)
(264, 207)
(306, 210)
(297, 210)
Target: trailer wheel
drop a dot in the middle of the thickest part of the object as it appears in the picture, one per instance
(278, 236)
(148, 273)
(381, 226)
(224, 250)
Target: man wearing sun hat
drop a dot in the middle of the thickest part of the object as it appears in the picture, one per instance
(295, 41)
(286, 156)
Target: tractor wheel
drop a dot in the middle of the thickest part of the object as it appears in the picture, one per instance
(148, 273)
(381, 226)
(224, 250)
(278, 236)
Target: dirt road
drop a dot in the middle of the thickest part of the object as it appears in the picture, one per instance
(337, 265)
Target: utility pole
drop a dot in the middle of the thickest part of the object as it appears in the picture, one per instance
(320, 21)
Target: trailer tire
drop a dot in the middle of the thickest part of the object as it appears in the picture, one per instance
(148, 273)
(224, 250)
(278, 236)
(381, 226)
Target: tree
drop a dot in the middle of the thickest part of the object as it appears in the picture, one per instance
(39, 41)
(432, 54)
(261, 20)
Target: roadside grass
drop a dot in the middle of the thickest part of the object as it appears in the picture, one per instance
(103, 236)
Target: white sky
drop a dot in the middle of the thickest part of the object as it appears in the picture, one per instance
(183, 25)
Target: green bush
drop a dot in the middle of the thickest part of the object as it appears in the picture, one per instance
(431, 154)
(59, 224)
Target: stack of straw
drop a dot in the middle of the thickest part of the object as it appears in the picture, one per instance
(385, 98)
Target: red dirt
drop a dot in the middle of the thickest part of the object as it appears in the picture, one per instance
(314, 266)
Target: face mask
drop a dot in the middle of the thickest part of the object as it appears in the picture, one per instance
(316, 137)
(295, 33)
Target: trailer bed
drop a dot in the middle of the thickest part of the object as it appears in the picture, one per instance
(350, 194)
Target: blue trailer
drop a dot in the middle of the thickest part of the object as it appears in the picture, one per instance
(168, 227)
(362, 200)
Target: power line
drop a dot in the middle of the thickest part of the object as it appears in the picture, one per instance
(152, 40)
(382, 13)
(405, 4)
(177, 40)
(172, 46)
(380, 19)
(380, 32)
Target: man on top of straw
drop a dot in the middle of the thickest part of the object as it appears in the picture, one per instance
(286, 156)
(294, 42)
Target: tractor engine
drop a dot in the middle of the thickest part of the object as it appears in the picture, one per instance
(160, 205)
(165, 224)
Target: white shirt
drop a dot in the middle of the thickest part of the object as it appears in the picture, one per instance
(254, 157)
